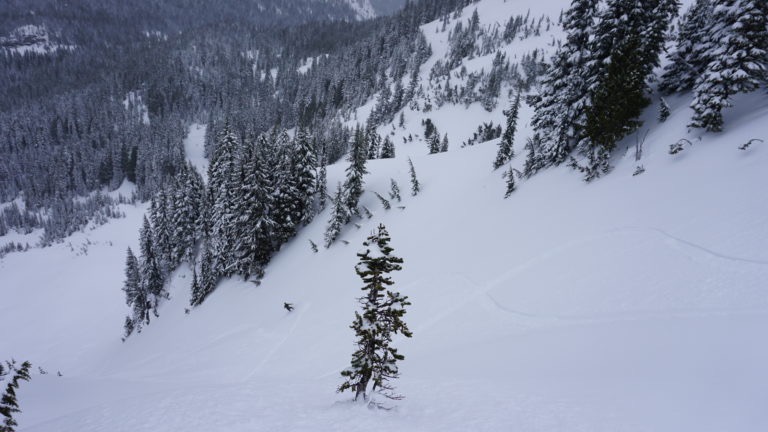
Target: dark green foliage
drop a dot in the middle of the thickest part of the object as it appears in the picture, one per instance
(429, 129)
(118, 106)
(394, 191)
(135, 295)
(444, 144)
(560, 106)
(415, 185)
(152, 280)
(387, 149)
(321, 189)
(687, 60)
(355, 172)
(9, 404)
(208, 278)
(511, 186)
(506, 151)
(596, 89)
(339, 217)
(663, 110)
(433, 143)
(736, 57)
(381, 318)
(618, 100)
(628, 41)
(384, 201)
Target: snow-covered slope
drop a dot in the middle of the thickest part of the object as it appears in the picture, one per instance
(635, 303)
(363, 8)
(30, 39)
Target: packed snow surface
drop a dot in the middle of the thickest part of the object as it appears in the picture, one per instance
(634, 303)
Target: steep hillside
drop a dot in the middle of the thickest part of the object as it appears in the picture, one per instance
(632, 303)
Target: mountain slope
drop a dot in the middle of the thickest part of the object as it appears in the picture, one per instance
(632, 303)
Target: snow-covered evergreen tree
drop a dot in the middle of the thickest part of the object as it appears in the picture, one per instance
(384, 202)
(511, 186)
(628, 41)
(736, 59)
(374, 142)
(444, 144)
(394, 190)
(687, 62)
(256, 227)
(304, 165)
(135, 295)
(208, 278)
(339, 217)
(160, 216)
(387, 149)
(223, 190)
(187, 197)
(560, 107)
(152, 281)
(506, 151)
(353, 185)
(381, 318)
(9, 404)
(664, 110)
(415, 185)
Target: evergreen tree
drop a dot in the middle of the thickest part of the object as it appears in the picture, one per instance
(415, 185)
(159, 214)
(384, 201)
(387, 149)
(736, 56)
(444, 144)
(687, 62)
(187, 197)
(256, 226)
(374, 143)
(223, 191)
(208, 278)
(322, 182)
(381, 318)
(339, 217)
(628, 42)
(506, 151)
(664, 110)
(304, 164)
(534, 160)
(511, 186)
(394, 191)
(433, 143)
(9, 404)
(286, 210)
(152, 281)
(135, 296)
(560, 107)
(354, 183)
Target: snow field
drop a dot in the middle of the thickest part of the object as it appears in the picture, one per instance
(635, 303)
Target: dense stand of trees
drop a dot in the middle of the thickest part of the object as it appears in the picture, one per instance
(116, 104)
(598, 84)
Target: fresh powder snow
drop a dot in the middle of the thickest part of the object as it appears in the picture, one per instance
(633, 303)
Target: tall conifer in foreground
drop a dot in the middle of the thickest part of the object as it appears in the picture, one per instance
(375, 360)
(9, 405)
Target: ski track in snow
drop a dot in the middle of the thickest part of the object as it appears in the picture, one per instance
(302, 310)
(683, 244)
